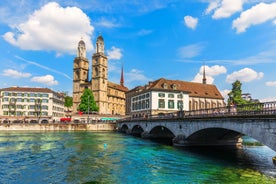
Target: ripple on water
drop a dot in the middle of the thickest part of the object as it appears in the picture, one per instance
(85, 157)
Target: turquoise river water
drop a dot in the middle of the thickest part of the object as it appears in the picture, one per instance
(108, 157)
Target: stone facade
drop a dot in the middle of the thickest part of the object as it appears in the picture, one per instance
(110, 97)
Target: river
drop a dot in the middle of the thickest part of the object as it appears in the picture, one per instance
(108, 157)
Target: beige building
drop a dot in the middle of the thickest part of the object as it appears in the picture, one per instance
(39, 104)
(168, 96)
(110, 97)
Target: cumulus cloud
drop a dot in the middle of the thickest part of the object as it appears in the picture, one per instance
(54, 28)
(15, 74)
(190, 51)
(228, 8)
(114, 53)
(48, 80)
(190, 21)
(258, 14)
(244, 75)
(210, 73)
(271, 83)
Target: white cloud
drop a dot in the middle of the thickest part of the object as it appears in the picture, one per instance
(190, 51)
(212, 6)
(224, 93)
(48, 80)
(225, 8)
(244, 75)
(210, 73)
(136, 76)
(52, 27)
(103, 22)
(270, 83)
(258, 14)
(15, 74)
(190, 21)
(114, 53)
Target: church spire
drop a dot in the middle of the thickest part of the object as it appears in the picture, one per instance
(122, 77)
(204, 76)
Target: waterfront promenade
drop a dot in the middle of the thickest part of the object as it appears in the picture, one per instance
(99, 126)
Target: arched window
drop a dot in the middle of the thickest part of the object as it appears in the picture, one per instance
(96, 71)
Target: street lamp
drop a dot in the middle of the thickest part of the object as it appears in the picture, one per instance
(88, 110)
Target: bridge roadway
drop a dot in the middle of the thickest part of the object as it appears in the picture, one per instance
(212, 127)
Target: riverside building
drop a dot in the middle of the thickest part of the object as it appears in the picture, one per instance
(37, 105)
(109, 96)
(169, 96)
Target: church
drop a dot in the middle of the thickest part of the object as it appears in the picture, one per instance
(109, 97)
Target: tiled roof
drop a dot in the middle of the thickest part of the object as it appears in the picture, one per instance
(27, 89)
(194, 89)
(117, 86)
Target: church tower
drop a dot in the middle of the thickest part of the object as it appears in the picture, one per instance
(100, 76)
(80, 74)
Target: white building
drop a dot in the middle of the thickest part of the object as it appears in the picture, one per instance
(27, 104)
(169, 96)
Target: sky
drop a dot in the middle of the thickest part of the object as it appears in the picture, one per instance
(173, 39)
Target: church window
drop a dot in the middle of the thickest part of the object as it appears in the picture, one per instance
(96, 71)
(103, 73)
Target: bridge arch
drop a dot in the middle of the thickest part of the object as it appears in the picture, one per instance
(124, 128)
(215, 136)
(137, 130)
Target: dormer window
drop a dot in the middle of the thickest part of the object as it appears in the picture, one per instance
(174, 86)
(165, 86)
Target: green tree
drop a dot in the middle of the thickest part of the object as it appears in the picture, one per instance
(87, 102)
(235, 96)
(68, 102)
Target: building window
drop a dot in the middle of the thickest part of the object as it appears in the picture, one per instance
(161, 94)
(171, 104)
(147, 104)
(6, 94)
(179, 104)
(165, 86)
(161, 103)
(180, 96)
(171, 95)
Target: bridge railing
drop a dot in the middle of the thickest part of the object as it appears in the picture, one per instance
(256, 109)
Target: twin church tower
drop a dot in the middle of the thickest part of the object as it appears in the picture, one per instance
(110, 97)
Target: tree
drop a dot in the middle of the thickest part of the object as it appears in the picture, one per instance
(87, 102)
(68, 102)
(235, 96)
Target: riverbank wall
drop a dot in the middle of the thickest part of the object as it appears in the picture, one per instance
(58, 127)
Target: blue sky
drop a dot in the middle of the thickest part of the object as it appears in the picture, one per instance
(152, 39)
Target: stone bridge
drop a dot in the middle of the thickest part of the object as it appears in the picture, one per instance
(205, 131)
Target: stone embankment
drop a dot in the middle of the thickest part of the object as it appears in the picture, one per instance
(58, 127)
